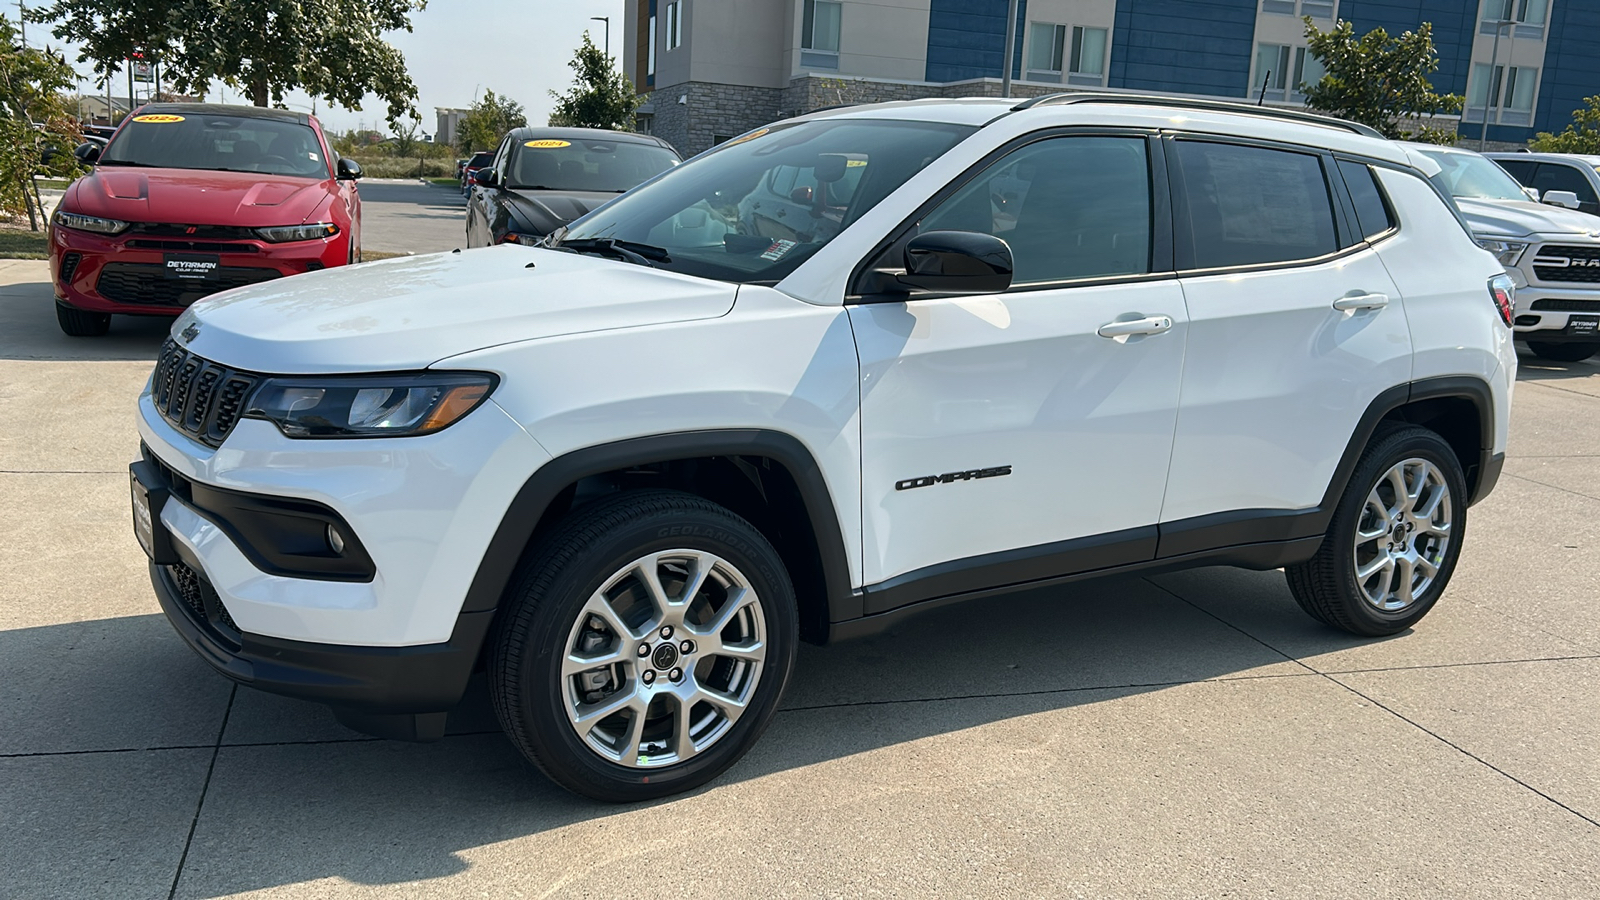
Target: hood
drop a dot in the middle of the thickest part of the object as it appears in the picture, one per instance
(410, 312)
(197, 196)
(1517, 218)
(545, 211)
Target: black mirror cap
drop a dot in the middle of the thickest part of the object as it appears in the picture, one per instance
(87, 153)
(349, 169)
(958, 262)
(485, 177)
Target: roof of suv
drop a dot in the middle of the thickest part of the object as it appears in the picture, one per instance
(1138, 110)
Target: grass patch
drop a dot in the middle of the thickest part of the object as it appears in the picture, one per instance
(446, 182)
(375, 255)
(23, 244)
(51, 184)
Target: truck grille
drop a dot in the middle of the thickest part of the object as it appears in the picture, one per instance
(148, 284)
(1564, 305)
(197, 396)
(1573, 264)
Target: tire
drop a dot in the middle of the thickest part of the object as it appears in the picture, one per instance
(1564, 351)
(1330, 586)
(582, 592)
(82, 323)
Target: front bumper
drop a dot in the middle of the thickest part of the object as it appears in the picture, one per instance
(1553, 313)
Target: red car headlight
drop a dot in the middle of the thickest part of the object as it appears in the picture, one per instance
(285, 233)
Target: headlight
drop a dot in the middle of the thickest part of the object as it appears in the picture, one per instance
(1507, 252)
(285, 233)
(369, 405)
(90, 223)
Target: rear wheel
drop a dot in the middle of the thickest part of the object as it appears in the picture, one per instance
(82, 323)
(645, 646)
(1563, 352)
(1394, 538)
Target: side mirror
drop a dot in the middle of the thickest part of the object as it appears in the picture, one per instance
(486, 177)
(348, 169)
(1533, 193)
(87, 153)
(1565, 199)
(958, 262)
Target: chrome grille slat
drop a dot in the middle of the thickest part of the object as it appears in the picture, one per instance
(198, 397)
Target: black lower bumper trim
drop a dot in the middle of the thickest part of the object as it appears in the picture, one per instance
(1488, 475)
(377, 681)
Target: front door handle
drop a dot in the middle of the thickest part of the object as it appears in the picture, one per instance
(1146, 325)
(1362, 301)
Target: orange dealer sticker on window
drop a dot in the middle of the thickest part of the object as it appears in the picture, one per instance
(546, 144)
(158, 119)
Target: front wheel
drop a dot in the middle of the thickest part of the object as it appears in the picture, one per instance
(1394, 538)
(645, 646)
(1563, 352)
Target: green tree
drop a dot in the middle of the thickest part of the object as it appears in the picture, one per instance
(406, 139)
(601, 95)
(1379, 80)
(487, 121)
(1582, 134)
(38, 126)
(263, 48)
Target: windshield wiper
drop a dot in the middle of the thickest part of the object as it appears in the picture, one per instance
(630, 251)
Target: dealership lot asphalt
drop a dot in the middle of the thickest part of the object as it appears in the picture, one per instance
(408, 216)
(1184, 735)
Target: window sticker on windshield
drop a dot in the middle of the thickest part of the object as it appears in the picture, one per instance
(154, 119)
(777, 250)
(854, 163)
(746, 137)
(546, 144)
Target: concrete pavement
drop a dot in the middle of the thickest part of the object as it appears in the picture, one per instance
(408, 216)
(1183, 735)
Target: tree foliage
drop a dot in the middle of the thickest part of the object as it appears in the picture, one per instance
(1582, 134)
(262, 48)
(487, 121)
(1380, 81)
(38, 126)
(601, 95)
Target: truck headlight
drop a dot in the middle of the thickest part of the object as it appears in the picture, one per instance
(1507, 252)
(396, 405)
(286, 233)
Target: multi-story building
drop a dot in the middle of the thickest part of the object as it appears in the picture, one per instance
(715, 68)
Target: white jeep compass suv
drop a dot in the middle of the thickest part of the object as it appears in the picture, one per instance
(832, 372)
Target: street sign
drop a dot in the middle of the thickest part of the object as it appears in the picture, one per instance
(141, 72)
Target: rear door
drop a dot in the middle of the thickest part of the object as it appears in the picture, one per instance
(1295, 328)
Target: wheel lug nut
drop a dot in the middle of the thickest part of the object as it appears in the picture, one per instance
(644, 649)
(676, 675)
(648, 677)
(687, 646)
(666, 632)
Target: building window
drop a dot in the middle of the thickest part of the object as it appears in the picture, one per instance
(650, 53)
(1308, 70)
(674, 25)
(1502, 95)
(820, 30)
(1053, 50)
(1272, 68)
(1089, 51)
(1045, 42)
(1528, 16)
(1318, 9)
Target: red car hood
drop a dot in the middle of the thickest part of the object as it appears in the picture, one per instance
(198, 197)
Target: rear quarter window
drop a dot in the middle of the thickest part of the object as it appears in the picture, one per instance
(1372, 211)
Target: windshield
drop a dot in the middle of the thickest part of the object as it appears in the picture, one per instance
(479, 160)
(1469, 176)
(756, 207)
(219, 143)
(582, 165)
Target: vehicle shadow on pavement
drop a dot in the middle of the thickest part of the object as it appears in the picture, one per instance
(1532, 368)
(28, 329)
(378, 812)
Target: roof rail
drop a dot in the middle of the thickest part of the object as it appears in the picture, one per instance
(1225, 106)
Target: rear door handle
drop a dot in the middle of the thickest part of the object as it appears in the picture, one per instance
(1362, 301)
(1146, 325)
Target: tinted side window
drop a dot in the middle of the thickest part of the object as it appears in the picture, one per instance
(1557, 177)
(1371, 212)
(1071, 207)
(1249, 205)
(1520, 169)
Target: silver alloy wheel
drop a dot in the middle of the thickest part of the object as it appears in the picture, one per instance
(1402, 534)
(664, 659)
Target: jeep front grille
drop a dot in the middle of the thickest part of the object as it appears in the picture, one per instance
(1568, 263)
(199, 397)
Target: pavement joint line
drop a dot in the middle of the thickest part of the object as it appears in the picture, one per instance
(1527, 623)
(1458, 665)
(1041, 693)
(60, 472)
(1545, 383)
(1438, 737)
(205, 787)
(1553, 487)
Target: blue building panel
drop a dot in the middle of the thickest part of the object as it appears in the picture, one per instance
(1455, 25)
(967, 39)
(1571, 65)
(1187, 46)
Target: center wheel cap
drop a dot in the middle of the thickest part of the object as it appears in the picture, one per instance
(665, 657)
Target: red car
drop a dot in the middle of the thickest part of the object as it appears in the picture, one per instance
(189, 199)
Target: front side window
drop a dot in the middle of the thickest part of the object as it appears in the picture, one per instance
(1557, 177)
(1069, 207)
(754, 208)
(820, 28)
(1250, 205)
(1468, 176)
(219, 143)
(584, 165)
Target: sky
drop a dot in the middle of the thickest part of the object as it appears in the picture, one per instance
(455, 51)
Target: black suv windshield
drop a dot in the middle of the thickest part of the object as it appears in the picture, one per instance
(1468, 176)
(609, 167)
(756, 207)
(269, 146)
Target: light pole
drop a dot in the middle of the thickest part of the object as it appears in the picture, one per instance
(1011, 48)
(607, 20)
(1494, 83)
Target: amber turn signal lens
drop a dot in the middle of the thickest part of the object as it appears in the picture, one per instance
(456, 402)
